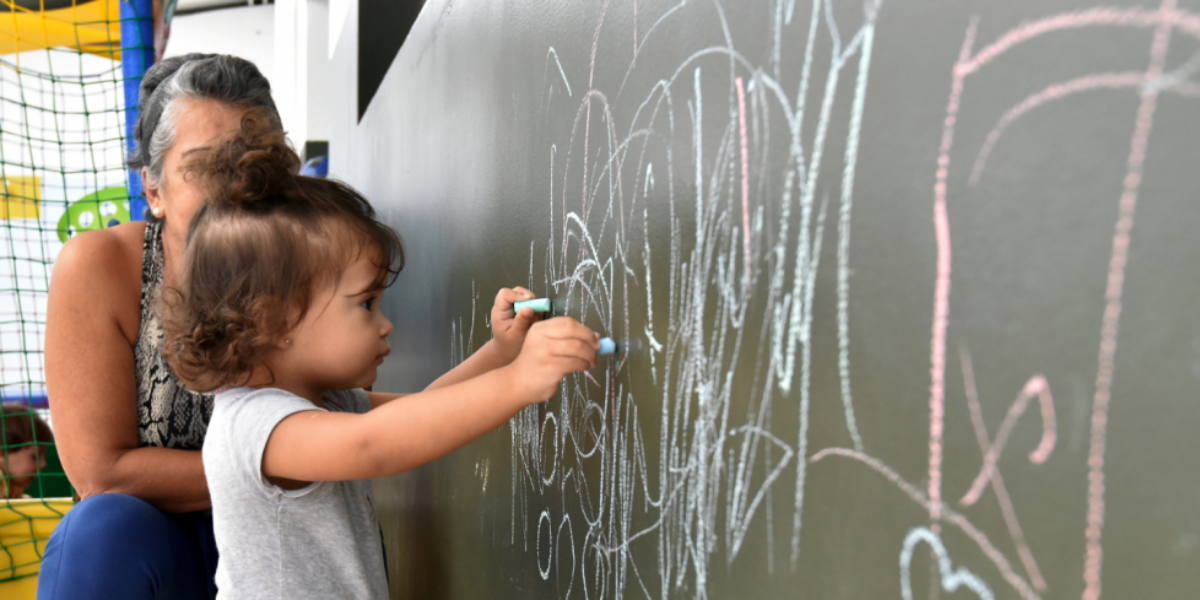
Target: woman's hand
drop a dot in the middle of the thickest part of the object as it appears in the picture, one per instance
(509, 329)
(554, 349)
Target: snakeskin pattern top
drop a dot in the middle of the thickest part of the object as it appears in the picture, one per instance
(169, 414)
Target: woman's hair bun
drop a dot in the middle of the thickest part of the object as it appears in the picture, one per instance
(250, 168)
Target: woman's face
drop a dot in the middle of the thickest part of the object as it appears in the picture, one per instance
(199, 123)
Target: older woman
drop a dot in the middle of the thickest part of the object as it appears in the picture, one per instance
(129, 433)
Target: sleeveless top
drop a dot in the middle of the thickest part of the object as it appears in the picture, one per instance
(169, 414)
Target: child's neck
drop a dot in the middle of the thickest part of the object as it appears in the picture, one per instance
(263, 377)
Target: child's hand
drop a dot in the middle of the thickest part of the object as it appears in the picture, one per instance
(555, 347)
(509, 329)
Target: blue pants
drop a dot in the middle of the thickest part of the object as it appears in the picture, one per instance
(117, 546)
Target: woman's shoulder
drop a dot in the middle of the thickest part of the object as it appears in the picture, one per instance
(353, 400)
(109, 249)
(102, 270)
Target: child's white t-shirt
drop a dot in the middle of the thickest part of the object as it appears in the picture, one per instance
(320, 541)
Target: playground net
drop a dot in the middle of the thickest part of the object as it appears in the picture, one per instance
(63, 141)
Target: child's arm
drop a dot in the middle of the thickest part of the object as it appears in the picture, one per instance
(419, 428)
(380, 398)
(509, 332)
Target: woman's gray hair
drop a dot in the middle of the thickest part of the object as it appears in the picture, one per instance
(229, 79)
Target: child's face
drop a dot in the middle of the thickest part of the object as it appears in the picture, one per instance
(22, 466)
(342, 339)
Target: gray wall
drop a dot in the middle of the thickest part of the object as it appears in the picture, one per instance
(869, 252)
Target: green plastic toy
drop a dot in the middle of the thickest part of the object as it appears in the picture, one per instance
(99, 210)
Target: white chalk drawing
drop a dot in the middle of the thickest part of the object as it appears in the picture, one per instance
(607, 486)
(951, 578)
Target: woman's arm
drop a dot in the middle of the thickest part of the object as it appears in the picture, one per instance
(90, 377)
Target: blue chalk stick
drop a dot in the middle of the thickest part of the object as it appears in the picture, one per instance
(539, 305)
(607, 346)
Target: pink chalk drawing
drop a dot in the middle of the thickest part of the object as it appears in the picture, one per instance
(941, 294)
(1166, 19)
(997, 481)
(1036, 387)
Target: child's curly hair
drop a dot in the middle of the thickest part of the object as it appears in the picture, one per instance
(263, 243)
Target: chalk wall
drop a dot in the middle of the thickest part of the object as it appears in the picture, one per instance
(914, 284)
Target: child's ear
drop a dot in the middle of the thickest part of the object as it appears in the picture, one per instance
(284, 342)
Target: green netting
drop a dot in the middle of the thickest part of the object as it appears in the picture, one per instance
(62, 172)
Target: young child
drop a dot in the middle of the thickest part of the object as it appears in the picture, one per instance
(23, 443)
(278, 309)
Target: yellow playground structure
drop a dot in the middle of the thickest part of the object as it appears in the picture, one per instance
(25, 527)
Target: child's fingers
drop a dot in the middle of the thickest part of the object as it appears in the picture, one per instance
(569, 347)
(572, 364)
(504, 300)
(568, 328)
(507, 297)
(524, 319)
(574, 348)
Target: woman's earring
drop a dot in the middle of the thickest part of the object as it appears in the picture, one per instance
(287, 341)
(157, 211)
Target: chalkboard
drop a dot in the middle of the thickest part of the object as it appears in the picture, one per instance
(914, 284)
